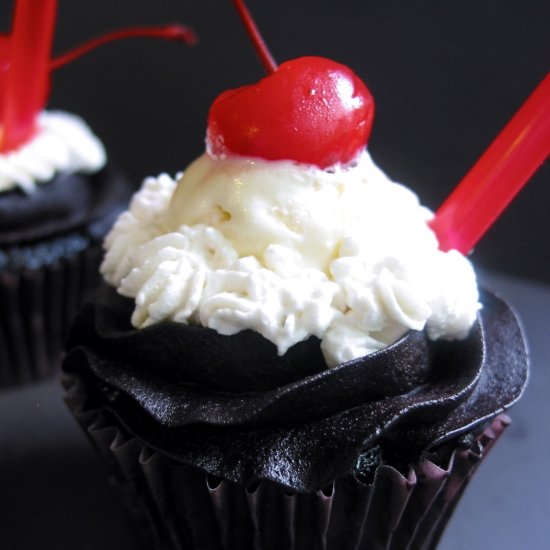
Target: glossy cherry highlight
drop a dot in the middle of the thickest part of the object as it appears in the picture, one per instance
(311, 110)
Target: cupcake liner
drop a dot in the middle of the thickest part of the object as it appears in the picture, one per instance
(175, 506)
(38, 305)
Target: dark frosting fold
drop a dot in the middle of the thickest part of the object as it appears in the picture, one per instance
(68, 202)
(232, 407)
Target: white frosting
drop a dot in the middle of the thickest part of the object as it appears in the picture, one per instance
(289, 251)
(63, 142)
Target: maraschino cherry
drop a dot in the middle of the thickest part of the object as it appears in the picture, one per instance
(310, 110)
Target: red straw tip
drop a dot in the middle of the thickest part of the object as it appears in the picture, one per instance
(491, 184)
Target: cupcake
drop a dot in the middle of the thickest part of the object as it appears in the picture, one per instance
(283, 357)
(58, 197)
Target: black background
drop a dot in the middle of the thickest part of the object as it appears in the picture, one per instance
(446, 76)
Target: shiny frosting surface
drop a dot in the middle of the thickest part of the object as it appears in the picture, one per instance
(232, 407)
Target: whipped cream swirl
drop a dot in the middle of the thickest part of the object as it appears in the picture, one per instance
(289, 252)
(63, 143)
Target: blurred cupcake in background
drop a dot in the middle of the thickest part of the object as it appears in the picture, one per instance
(59, 195)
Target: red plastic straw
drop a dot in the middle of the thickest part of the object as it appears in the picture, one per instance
(4, 70)
(25, 85)
(491, 184)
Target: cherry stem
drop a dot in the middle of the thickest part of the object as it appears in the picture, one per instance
(491, 184)
(169, 32)
(267, 60)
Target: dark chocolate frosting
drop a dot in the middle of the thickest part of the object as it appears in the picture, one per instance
(232, 407)
(69, 201)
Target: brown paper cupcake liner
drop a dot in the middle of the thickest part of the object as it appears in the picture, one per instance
(38, 305)
(174, 506)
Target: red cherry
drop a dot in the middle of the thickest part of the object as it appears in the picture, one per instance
(310, 110)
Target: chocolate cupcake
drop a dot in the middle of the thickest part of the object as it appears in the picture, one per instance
(286, 358)
(58, 195)
(218, 442)
(257, 399)
(58, 199)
